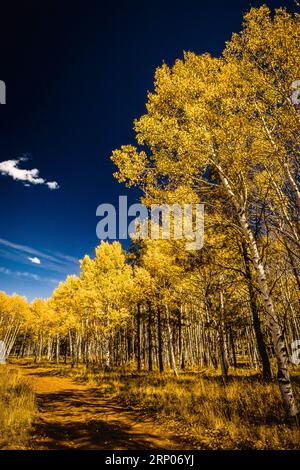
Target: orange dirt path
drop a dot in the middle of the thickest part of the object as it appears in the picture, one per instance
(75, 416)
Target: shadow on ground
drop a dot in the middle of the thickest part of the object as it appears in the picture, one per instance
(82, 418)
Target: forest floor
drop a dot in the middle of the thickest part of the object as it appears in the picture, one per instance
(72, 415)
(61, 407)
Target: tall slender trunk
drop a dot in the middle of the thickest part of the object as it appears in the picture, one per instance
(22, 350)
(232, 348)
(107, 358)
(138, 335)
(150, 346)
(170, 340)
(49, 349)
(180, 340)
(222, 346)
(57, 348)
(71, 348)
(283, 375)
(159, 334)
(255, 317)
(40, 347)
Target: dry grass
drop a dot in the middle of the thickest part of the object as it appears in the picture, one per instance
(17, 409)
(246, 414)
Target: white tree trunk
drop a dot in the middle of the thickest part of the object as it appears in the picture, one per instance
(277, 337)
(283, 375)
(170, 340)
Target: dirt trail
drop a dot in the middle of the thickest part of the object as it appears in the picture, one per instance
(75, 416)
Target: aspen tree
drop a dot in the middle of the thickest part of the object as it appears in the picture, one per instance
(201, 131)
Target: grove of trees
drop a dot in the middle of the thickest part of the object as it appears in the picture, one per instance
(223, 132)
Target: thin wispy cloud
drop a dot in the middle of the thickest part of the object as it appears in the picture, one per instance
(53, 261)
(64, 258)
(28, 177)
(27, 275)
(34, 260)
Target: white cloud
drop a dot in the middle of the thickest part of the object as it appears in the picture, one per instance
(34, 260)
(28, 177)
(52, 185)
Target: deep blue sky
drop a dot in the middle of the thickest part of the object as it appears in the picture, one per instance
(77, 74)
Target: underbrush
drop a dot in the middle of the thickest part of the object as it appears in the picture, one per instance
(245, 414)
(17, 409)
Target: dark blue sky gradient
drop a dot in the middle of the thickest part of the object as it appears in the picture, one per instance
(77, 74)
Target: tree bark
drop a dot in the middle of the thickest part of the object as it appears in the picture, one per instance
(159, 334)
(138, 335)
(222, 347)
(150, 346)
(57, 348)
(170, 340)
(267, 374)
(232, 348)
(283, 375)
